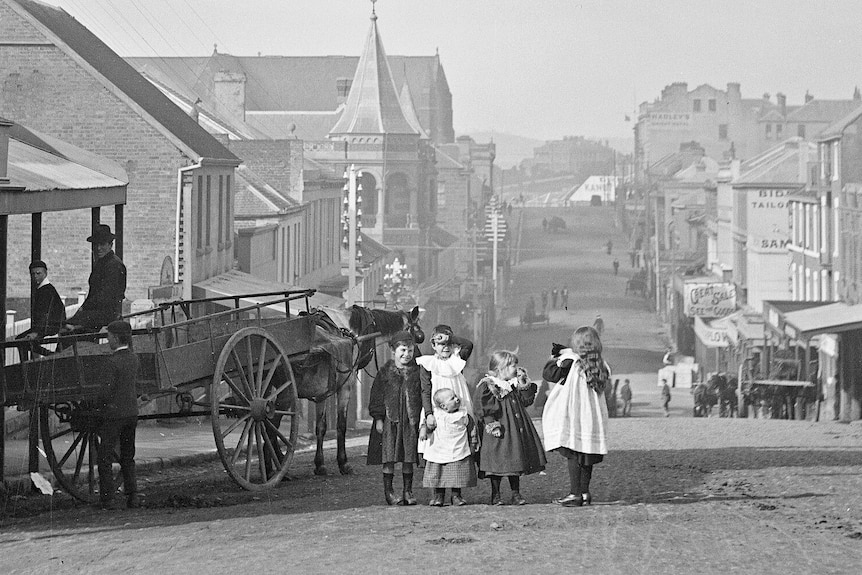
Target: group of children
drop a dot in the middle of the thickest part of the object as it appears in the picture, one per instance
(424, 412)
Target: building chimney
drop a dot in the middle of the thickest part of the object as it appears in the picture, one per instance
(734, 92)
(782, 103)
(808, 97)
(229, 94)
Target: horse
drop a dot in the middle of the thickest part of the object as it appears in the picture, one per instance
(338, 353)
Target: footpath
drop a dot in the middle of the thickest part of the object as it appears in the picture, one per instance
(156, 447)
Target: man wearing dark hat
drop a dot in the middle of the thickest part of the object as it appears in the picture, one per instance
(104, 302)
(119, 408)
(48, 314)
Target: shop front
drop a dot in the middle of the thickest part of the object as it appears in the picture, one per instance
(828, 337)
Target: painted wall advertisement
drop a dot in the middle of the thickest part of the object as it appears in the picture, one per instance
(709, 299)
(667, 120)
(767, 221)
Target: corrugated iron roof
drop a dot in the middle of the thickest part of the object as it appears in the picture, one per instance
(822, 110)
(780, 164)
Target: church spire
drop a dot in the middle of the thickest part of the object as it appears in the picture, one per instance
(373, 105)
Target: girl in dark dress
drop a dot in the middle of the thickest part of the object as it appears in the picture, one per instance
(510, 445)
(395, 404)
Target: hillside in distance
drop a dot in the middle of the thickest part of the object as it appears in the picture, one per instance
(512, 149)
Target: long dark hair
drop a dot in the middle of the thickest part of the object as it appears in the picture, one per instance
(587, 343)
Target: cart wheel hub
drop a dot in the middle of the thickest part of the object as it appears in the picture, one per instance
(262, 409)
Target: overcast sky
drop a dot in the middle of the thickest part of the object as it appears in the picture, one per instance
(542, 69)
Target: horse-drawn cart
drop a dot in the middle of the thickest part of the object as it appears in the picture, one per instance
(234, 366)
(528, 319)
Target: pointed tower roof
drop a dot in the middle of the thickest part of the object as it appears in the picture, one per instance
(406, 99)
(373, 106)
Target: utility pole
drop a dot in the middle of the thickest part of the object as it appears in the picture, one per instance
(495, 229)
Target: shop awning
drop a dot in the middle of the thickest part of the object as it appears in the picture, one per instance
(237, 283)
(711, 333)
(829, 318)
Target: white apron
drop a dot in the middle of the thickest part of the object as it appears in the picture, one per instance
(445, 374)
(450, 441)
(575, 416)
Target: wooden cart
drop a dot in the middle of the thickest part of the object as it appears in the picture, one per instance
(233, 366)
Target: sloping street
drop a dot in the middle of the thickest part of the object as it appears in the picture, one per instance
(675, 494)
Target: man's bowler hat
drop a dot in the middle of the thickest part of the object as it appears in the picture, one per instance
(101, 234)
(120, 327)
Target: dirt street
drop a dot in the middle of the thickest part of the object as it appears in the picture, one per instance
(675, 495)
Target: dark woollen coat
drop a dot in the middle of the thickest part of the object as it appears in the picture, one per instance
(519, 451)
(396, 398)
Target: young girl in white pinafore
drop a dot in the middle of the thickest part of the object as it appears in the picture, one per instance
(443, 370)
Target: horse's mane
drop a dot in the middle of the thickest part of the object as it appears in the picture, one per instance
(385, 321)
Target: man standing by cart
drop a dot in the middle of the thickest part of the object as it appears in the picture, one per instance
(119, 408)
(104, 302)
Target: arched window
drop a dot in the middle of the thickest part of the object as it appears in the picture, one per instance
(369, 198)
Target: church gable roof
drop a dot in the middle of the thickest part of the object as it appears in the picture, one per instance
(373, 106)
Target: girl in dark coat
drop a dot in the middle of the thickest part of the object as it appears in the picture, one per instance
(395, 404)
(510, 445)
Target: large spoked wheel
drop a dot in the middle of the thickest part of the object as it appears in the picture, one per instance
(254, 402)
(70, 436)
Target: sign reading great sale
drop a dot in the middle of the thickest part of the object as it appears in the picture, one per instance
(709, 299)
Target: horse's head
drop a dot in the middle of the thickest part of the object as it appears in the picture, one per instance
(365, 321)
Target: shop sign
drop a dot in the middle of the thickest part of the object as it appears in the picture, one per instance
(829, 345)
(709, 299)
(767, 217)
(710, 335)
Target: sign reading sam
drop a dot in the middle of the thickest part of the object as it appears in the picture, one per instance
(709, 299)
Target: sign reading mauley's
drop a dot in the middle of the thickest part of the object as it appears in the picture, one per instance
(709, 299)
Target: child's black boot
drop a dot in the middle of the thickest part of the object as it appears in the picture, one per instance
(388, 491)
(407, 497)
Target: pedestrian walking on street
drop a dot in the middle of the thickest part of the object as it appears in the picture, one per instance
(610, 246)
(599, 325)
(119, 410)
(665, 397)
(616, 266)
(554, 298)
(510, 444)
(626, 396)
(544, 301)
(395, 406)
(575, 418)
(564, 297)
(544, 224)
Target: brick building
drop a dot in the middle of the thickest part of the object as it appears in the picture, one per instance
(59, 78)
